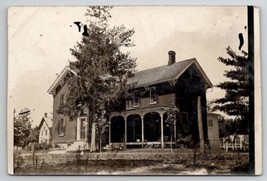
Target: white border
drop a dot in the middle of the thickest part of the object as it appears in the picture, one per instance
(3, 70)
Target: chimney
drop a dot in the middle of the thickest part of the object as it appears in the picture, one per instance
(45, 115)
(171, 57)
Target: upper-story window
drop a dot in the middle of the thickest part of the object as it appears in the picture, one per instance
(45, 132)
(136, 101)
(61, 129)
(153, 96)
(62, 99)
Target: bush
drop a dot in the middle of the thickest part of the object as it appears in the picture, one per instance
(37, 146)
(185, 142)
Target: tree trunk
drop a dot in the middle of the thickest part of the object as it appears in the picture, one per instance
(93, 137)
(93, 124)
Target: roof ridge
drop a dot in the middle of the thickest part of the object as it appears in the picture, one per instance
(191, 59)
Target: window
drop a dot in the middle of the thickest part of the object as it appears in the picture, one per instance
(62, 99)
(210, 123)
(153, 96)
(61, 127)
(136, 101)
(45, 132)
(83, 125)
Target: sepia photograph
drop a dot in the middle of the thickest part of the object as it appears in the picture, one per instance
(134, 90)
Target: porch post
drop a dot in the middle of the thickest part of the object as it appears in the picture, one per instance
(161, 126)
(174, 132)
(78, 129)
(109, 131)
(142, 129)
(125, 132)
(200, 126)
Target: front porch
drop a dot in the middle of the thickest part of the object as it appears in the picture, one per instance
(143, 128)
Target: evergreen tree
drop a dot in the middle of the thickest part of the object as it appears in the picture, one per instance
(235, 102)
(102, 68)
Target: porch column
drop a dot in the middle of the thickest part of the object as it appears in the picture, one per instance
(200, 126)
(142, 129)
(162, 134)
(78, 129)
(174, 131)
(109, 130)
(125, 131)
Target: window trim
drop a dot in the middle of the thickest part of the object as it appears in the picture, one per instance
(210, 125)
(61, 132)
(134, 103)
(62, 99)
(156, 99)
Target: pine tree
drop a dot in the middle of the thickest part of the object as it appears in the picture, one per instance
(102, 68)
(235, 102)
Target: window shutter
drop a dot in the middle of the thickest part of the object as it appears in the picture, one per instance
(64, 126)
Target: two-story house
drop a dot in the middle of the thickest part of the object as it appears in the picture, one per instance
(143, 120)
(45, 128)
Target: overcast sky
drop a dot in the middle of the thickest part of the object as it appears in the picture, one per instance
(39, 39)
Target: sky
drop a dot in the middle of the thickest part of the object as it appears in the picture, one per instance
(40, 38)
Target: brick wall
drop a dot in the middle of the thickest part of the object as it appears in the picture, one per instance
(70, 129)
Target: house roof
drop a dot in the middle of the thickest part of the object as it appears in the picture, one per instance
(165, 73)
(149, 76)
(46, 120)
(61, 76)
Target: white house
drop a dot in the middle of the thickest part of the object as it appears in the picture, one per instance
(45, 127)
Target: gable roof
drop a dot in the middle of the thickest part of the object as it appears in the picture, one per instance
(46, 120)
(149, 76)
(165, 73)
(61, 76)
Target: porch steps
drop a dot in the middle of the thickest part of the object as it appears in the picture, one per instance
(77, 145)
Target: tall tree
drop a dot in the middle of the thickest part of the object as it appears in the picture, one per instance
(102, 68)
(235, 102)
(34, 135)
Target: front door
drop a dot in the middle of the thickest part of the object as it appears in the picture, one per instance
(81, 128)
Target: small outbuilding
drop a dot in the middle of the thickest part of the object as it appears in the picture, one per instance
(213, 130)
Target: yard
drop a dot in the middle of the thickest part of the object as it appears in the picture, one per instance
(136, 162)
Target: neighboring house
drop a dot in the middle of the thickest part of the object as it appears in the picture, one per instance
(213, 130)
(143, 119)
(64, 130)
(45, 127)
